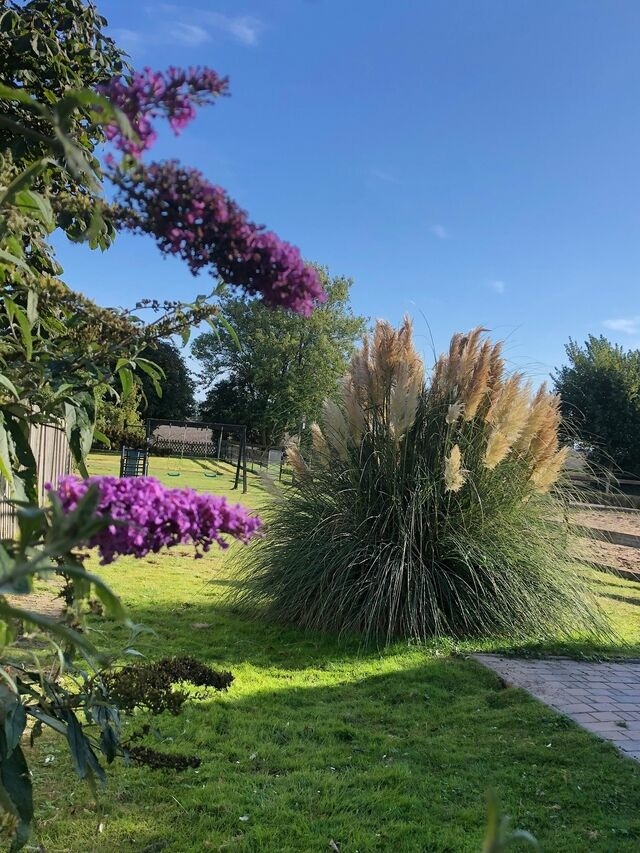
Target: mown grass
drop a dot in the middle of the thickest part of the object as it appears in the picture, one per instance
(315, 741)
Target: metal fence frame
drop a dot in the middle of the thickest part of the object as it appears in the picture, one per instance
(218, 448)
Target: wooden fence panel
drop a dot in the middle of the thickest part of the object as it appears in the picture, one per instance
(51, 449)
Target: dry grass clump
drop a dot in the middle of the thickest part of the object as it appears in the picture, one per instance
(424, 506)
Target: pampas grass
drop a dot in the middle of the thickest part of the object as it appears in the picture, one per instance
(425, 505)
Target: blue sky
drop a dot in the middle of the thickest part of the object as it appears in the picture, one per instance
(467, 162)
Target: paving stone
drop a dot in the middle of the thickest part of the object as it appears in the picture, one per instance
(576, 708)
(596, 696)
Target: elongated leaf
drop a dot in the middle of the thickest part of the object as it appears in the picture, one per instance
(9, 93)
(47, 719)
(36, 205)
(15, 720)
(8, 384)
(106, 595)
(52, 626)
(6, 468)
(12, 259)
(126, 380)
(16, 781)
(32, 521)
(101, 437)
(32, 306)
(16, 313)
(24, 180)
(77, 744)
(19, 431)
(79, 423)
(154, 372)
(228, 327)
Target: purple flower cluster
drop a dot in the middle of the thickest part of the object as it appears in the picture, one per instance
(151, 516)
(198, 222)
(151, 94)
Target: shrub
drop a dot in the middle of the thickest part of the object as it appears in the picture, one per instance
(424, 507)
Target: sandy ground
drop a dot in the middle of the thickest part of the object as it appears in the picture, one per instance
(620, 522)
(619, 557)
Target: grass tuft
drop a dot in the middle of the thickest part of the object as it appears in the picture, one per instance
(425, 507)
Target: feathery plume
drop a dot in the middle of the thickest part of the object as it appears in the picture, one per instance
(454, 474)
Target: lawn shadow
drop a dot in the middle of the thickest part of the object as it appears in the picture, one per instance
(229, 638)
(626, 599)
(396, 760)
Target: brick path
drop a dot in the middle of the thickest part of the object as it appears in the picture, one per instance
(603, 698)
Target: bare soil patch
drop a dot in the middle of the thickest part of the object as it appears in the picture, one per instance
(617, 557)
(618, 522)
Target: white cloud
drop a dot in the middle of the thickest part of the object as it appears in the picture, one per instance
(439, 231)
(243, 28)
(190, 34)
(626, 325)
(497, 286)
(126, 39)
(191, 26)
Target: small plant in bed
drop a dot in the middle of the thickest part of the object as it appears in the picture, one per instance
(425, 506)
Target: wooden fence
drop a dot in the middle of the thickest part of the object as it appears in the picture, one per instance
(51, 450)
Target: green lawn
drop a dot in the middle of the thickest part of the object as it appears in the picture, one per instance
(388, 750)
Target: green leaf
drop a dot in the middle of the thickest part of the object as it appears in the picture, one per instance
(112, 603)
(77, 744)
(6, 469)
(126, 380)
(51, 626)
(12, 259)
(32, 306)
(16, 313)
(18, 429)
(8, 384)
(47, 719)
(9, 93)
(37, 206)
(15, 720)
(79, 424)
(32, 522)
(154, 372)
(16, 782)
(24, 179)
(228, 327)
(101, 437)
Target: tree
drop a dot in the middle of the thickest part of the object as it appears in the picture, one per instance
(119, 420)
(177, 401)
(600, 392)
(65, 89)
(275, 377)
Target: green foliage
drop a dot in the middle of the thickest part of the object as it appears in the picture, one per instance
(51, 53)
(57, 351)
(176, 398)
(118, 419)
(600, 392)
(45, 546)
(275, 369)
(423, 509)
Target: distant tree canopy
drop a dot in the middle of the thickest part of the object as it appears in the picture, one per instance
(283, 367)
(177, 401)
(119, 420)
(600, 391)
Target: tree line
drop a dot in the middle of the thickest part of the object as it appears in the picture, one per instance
(272, 371)
(268, 370)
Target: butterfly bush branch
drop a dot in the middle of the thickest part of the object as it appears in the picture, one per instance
(197, 221)
(147, 517)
